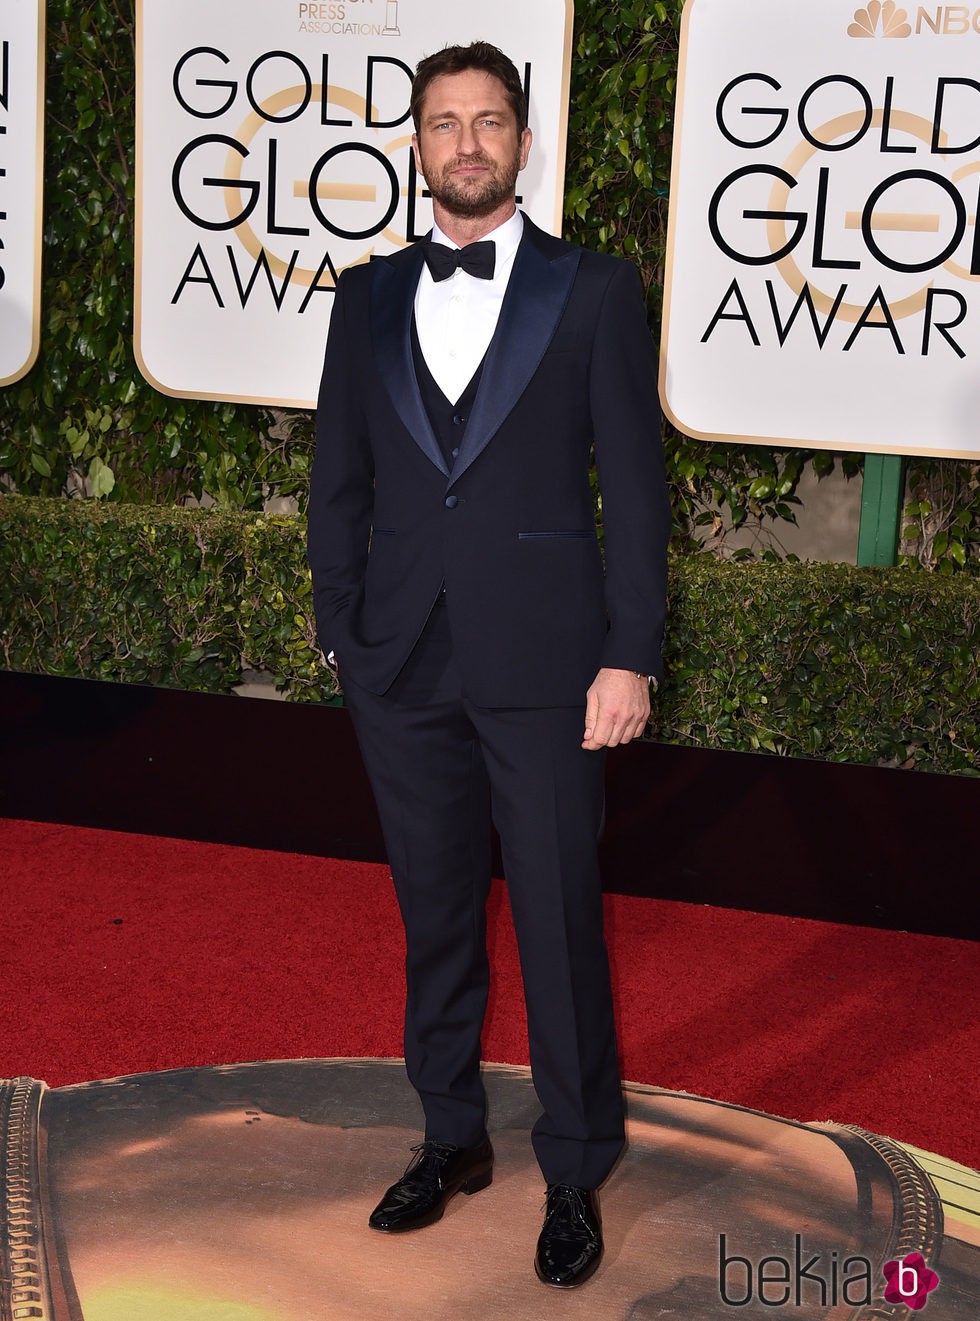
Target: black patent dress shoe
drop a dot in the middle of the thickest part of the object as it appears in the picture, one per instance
(570, 1243)
(437, 1172)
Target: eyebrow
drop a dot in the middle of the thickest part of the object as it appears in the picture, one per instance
(497, 113)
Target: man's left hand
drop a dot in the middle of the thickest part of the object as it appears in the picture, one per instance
(617, 708)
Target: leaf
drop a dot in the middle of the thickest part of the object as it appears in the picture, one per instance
(101, 478)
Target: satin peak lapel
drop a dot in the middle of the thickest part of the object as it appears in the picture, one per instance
(536, 296)
(392, 300)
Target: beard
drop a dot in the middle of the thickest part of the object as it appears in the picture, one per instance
(472, 199)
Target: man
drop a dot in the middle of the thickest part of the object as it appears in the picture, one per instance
(486, 657)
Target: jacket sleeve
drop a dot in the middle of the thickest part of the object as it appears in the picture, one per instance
(632, 480)
(342, 482)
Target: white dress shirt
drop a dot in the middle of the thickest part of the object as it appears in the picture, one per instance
(456, 318)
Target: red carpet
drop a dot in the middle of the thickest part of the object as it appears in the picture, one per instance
(124, 953)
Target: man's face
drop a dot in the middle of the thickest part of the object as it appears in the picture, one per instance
(468, 148)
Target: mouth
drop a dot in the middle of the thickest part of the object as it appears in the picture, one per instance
(471, 167)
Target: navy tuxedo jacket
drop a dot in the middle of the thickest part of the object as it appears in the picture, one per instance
(510, 532)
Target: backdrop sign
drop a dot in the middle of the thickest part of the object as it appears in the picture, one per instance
(824, 258)
(274, 150)
(21, 184)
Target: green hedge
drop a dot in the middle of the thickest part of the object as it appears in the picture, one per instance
(139, 594)
(880, 666)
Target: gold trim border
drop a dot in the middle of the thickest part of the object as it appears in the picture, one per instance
(918, 1215)
(25, 1288)
(565, 96)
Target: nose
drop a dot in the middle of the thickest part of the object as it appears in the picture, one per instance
(467, 142)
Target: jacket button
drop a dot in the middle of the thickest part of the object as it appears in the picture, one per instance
(458, 419)
(451, 501)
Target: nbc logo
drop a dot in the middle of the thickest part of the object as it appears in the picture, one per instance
(885, 20)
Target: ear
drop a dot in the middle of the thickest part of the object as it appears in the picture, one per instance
(526, 140)
(418, 156)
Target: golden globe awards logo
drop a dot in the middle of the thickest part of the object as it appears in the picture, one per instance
(276, 152)
(799, 240)
(254, 184)
(824, 260)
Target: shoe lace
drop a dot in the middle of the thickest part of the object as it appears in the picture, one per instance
(428, 1160)
(564, 1203)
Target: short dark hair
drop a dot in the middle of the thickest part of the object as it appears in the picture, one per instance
(457, 59)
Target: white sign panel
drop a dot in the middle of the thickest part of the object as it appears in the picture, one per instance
(21, 184)
(274, 150)
(824, 258)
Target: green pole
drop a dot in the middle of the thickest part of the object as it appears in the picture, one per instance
(881, 508)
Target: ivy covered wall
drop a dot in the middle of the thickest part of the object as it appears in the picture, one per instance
(85, 423)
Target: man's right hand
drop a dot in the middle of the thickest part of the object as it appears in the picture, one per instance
(617, 708)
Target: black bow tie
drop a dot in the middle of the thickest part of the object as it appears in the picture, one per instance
(475, 259)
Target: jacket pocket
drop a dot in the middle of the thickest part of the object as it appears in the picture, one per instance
(568, 536)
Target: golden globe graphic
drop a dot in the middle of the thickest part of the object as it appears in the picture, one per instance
(237, 1193)
(824, 258)
(275, 151)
